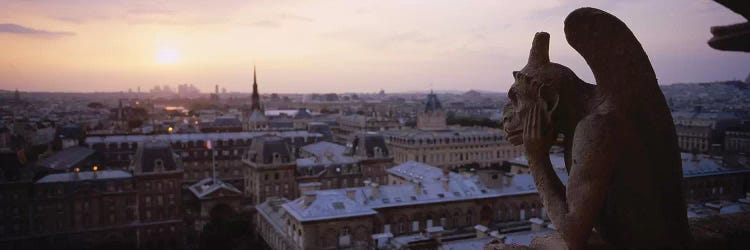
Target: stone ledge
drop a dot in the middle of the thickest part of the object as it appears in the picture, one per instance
(726, 231)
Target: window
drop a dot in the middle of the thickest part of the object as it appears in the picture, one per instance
(345, 237)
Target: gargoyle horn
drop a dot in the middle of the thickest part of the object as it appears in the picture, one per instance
(539, 54)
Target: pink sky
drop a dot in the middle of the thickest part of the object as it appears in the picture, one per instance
(330, 46)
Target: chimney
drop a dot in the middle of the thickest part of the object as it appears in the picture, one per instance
(481, 231)
(375, 190)
(309, 186)
(418, 187)
(436, 233)
(309, 198)
(74, 176)
(507, 179)
(497, 235)
(275, 203)
(536, 224)
(351, 194)
(445, 179)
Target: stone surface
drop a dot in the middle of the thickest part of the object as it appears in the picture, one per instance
(735, 37)
(620, 143)
(723, 231)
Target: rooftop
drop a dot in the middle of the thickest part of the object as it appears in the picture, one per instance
(451, 132)
(66, 159)
(696, 165)
(557, 160)
(362, 200)
(195, 137)
(325, 153)
(85, 176)
(415, 171)
(205, 187)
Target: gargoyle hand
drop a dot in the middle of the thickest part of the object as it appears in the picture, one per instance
(538, 134)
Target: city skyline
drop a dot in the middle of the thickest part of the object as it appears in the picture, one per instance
(332, 46)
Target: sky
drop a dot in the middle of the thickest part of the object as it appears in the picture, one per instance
(331, 46)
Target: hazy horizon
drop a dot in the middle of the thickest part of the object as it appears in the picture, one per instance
(331, 46)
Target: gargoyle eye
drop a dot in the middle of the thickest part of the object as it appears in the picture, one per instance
(515, 74)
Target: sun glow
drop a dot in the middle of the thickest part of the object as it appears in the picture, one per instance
(167, 55)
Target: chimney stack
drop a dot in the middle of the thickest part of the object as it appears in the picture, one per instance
(536, 224)
(351, 194)
(309, 198)
(375, 190)
(481, 231)
(508, 179)
(445, 179)
(309, 186)
(436, 233)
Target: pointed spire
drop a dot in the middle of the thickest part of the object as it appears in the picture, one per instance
(255, 98)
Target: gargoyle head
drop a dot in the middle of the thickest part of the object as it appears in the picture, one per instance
(538, 83)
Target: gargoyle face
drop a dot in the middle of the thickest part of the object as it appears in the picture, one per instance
(520, 104)
(524, 94)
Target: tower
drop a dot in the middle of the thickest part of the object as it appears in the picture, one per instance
(255, 105)
(433, 117)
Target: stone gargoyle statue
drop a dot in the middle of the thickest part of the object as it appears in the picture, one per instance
(735, 37)
(619, 140)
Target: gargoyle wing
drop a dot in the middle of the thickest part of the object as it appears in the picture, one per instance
(620, 65)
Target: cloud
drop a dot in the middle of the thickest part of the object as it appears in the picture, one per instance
(22, 30)
(266, 24)
(294, 18)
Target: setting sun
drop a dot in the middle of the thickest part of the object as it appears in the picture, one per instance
(166, 55)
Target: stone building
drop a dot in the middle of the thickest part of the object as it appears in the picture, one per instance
(698, 130)
(438, 202)
(433, 117)
(328, 165)
(270, 169)
(350, 125)
(227, 150)
(710, 178)
(273, 170)
(92, 208)
(16, 183)
(434, 143)
(86, 209)
(705, 177)
(212, 198)
(158, 172)
(737, 140)
(222, 124)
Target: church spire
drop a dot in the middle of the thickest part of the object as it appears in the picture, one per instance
(255, 105)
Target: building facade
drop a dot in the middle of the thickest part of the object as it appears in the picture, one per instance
(434, 143)
(431, 200)
(227, 150)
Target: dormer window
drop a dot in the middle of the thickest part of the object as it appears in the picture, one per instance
(378, 152)
(158, 164)
(276, 157)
